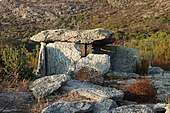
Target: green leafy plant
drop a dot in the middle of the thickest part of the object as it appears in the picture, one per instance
(16, 64)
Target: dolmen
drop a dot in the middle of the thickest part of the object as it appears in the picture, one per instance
(62, 49)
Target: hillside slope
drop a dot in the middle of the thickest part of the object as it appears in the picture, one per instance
(131, 20)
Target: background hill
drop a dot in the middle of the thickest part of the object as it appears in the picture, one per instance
(141, 24)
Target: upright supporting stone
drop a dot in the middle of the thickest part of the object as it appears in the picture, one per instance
(41, 69)
(62, 57)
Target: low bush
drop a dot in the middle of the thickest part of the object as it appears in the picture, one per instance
(140, 91)
(15, 64)
(89, 75)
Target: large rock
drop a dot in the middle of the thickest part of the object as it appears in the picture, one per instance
(99, 62)
(123, 59)
(68, 107)
(79, 36)
(92, 91)
(61, 57)
(133, 109)
(161, 80)
(16, 102)
(41, 69)
(104, 105)
(46, 85)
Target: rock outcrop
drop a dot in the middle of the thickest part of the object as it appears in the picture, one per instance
(79, 36)
(68, 107)
(46, 85)
(86, 55)
(92, 91)
(64, 48)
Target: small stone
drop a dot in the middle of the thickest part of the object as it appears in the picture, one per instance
(104, 105)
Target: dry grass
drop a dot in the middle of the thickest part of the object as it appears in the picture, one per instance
(57, 96)
(140, 91)
(18, 86)
(39, 106)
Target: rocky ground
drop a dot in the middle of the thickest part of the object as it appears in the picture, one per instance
(102, 81)
(53, 94)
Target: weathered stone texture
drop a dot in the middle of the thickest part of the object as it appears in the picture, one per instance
(104, 105)
(92, 91)
(61, 57)
(41, 69)
(133, 109)
(46, 85)
(123, 59)
(79, 36)
(99, 62)
(68, 107)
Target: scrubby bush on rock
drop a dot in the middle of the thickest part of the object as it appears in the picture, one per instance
(141, 90)
(89, 75)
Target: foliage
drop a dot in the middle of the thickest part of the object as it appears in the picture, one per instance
(143, 67)
(154, 49)
(16, 64)
(34, 57)
(141, 91)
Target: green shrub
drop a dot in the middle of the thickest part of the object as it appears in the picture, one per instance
(16, 64)
(143, 67)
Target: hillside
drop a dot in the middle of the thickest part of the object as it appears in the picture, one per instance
(89, 56)
(129, 19)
